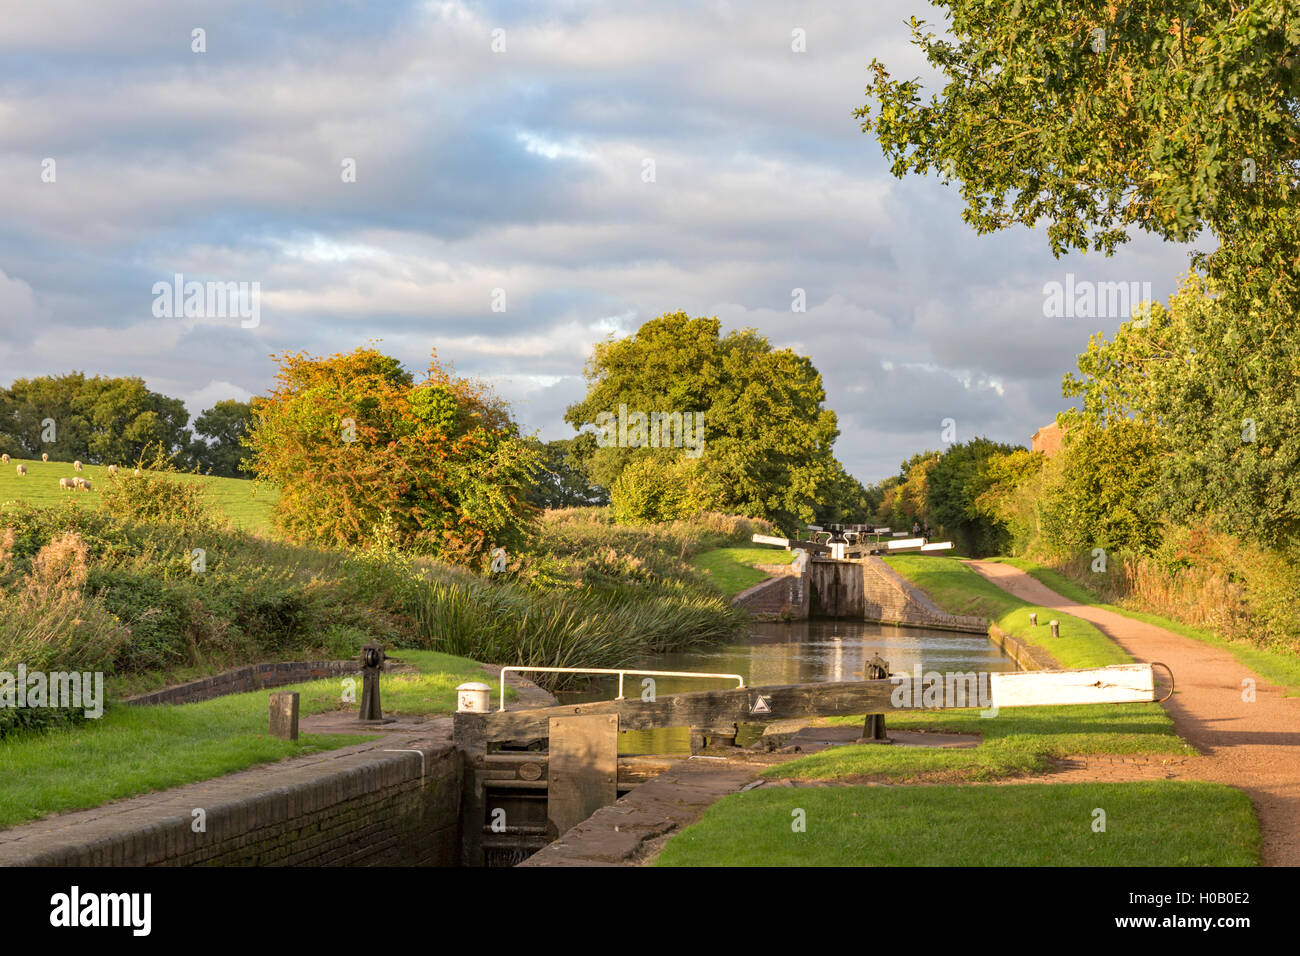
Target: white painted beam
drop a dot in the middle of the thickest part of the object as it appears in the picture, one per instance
(1117, 684)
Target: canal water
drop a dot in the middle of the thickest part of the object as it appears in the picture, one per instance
(797, 652)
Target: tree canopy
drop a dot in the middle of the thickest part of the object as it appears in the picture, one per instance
(767, 437)
(96, 420)
(220, 449)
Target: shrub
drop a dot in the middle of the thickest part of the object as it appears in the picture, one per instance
(354, 441)
(157, 494)
(654, 489)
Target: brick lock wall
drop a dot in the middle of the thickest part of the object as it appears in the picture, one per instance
(369, 807)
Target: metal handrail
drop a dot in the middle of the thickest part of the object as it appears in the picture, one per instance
(620, 671)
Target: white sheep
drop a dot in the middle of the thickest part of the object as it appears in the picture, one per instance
(22, 470)
(137, 472)
(76, 465)
(45, 456)
(83, 484)
(4, 459)
(67, 484)
(112, 469)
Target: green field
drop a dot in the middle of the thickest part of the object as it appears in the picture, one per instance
(1161, 823)
(248, 504)
(134, 750)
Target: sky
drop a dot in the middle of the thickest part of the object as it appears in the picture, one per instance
(403, 171)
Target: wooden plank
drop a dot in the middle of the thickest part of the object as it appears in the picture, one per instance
(583, 768)
(712, 711)
(529, 770)
(768, 539)
(717, 711)
(1117, 684)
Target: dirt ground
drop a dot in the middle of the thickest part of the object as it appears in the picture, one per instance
(1254, 746)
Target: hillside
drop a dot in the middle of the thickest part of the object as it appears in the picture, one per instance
(246, 503)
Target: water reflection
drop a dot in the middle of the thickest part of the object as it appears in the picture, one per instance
(796, 653)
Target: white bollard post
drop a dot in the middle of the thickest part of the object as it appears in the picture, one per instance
(473, 697)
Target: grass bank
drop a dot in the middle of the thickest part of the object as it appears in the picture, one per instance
(1163, 823)
(134, 750)
(81, 588)
(1278, 666)
(959, 590)
(732, 570)
(1017, 742)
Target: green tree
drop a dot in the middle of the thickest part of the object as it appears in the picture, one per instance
(1097, 118)
(767, 448)
(1012, 489)
(1220, 386)
(224, 426)
(563, 476)
(1177, 118)
(1104, 496)
(652, 489)
(955, 483)
(96, 420)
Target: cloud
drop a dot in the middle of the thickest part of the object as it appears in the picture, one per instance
(524, 171)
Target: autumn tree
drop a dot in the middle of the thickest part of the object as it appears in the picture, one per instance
(363, 450)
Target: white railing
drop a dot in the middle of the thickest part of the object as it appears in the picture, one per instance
(740, 681)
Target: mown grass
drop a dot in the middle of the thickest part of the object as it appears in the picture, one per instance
(731, 570)
(959, 590)
(247, 504)
(1162, 823)
(1017, 742)
(134, 750)
(1277, 666)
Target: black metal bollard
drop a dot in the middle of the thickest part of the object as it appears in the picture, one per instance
(372, 662)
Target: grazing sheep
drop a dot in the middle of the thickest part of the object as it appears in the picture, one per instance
(45, 456)
(112, 469)
(76, 465)
(67, 484)
(4, 459)
(137, 472)
(83, 484)
(22, 470)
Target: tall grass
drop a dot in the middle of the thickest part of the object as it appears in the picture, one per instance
(506, 624)
(82, 587)
(1205, 579)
